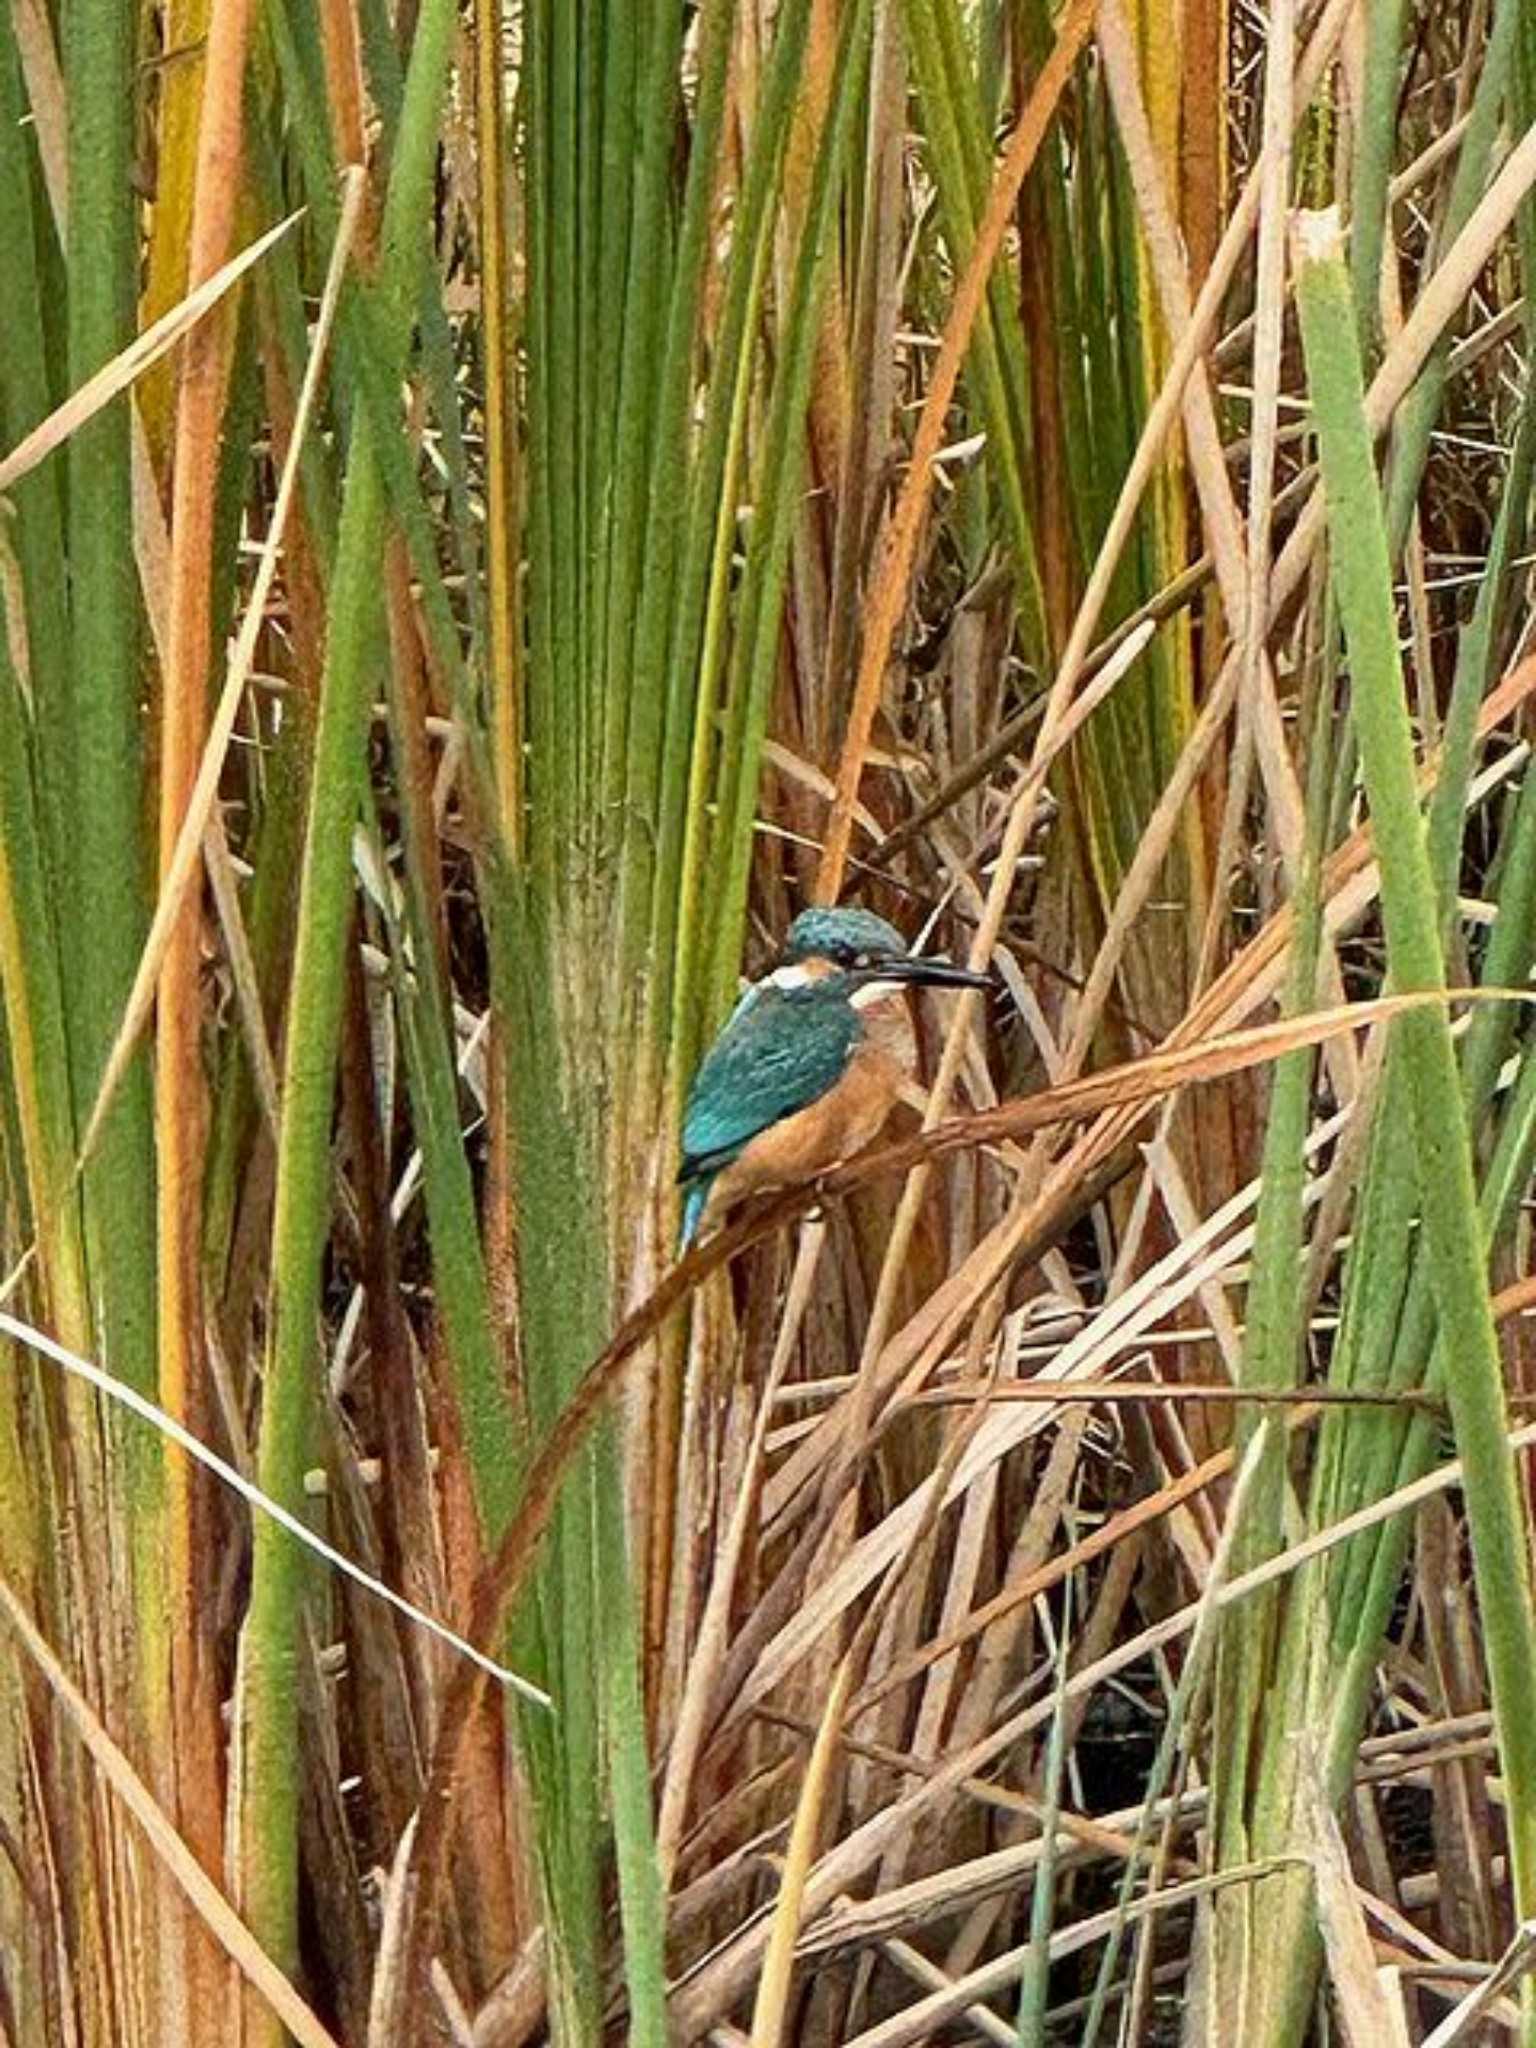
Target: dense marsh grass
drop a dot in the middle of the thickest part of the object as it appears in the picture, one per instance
(599, 479)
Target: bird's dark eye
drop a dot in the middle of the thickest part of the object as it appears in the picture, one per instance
(863, 960)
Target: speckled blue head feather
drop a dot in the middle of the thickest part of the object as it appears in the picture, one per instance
(842, 935)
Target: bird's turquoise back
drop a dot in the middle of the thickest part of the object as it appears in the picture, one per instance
(782, 1050)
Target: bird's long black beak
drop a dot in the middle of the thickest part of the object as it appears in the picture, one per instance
(928, 974)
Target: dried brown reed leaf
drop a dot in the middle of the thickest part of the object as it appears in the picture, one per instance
(1517, 1961)
(1365, 2011)
(385, 2007)
(1124, 1393)
(514, 2008)
(856, 1923)
(1140, 1081)
(917, 2023)
(718, 1981)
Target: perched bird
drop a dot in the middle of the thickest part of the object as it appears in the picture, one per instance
(810, 1064)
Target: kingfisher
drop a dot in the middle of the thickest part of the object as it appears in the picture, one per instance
(810, 1063)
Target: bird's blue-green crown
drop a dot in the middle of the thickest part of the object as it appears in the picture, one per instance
(850, 937)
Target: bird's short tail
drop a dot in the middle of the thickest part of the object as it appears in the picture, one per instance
(693, 1214)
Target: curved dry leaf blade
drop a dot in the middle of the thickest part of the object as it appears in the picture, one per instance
(117, 375)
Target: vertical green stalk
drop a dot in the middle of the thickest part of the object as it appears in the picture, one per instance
(563, 1290)
(1035, 1977)
(1362, 582)
(639, 247)
(775, 505)
(1387, 1333)
(38, 532)
(956, 131)
(34, 1027)
(547, 672)
(642, 1901)
(271, 1642)
(1253, 1744)
(35, 839)
(695, 654)
(1377, 131)
(104, 918)
(658, 765)
(110, 854)
(268, 1694)
(648, 368)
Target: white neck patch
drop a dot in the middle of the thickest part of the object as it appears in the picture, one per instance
(797, 975)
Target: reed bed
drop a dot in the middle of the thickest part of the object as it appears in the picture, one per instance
(505, 503)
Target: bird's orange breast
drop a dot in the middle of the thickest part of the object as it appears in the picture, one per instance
(832, 1128)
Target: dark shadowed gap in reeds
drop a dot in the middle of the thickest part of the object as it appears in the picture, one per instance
(545, 487)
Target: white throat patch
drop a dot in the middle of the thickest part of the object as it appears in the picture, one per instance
(873, 992)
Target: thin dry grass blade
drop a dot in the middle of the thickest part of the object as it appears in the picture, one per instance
(117, 375)
(1363, 2007)
(45, 91)
(383, 2028)
(127, 1397)
(771, 2010)
(1517, 1961)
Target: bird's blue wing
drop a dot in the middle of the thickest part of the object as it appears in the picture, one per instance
(780, 1052)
